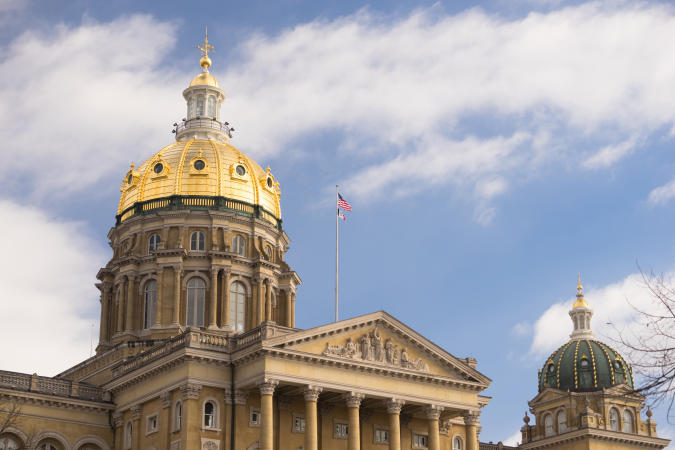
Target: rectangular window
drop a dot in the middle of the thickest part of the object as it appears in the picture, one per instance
(381, 436)
(298, 423)
(420, 439)
(151, 423)
(340, 429)
(254, 417)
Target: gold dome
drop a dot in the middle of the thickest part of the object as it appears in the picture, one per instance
(219, 176)
(204, 78)
(580, 303)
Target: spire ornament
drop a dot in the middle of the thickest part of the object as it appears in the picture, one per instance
(205, 62)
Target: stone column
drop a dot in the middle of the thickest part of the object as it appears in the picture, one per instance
(164, 440)
(191, 419)
(287, 294)
(136, 430)
(105, 312)
(470, 421)
(120, 305)
(214, 238)
(293, 310)
(266, 386)
(394, 406)
(259, 310)
(130, 303)
(176, 296)
(118, 420)
(268, 300)
(353, 400)
(225, 307)
(158, 304)
(165, 237)
(214, 299)
(311, 396)
(241, 415)
(433, 413)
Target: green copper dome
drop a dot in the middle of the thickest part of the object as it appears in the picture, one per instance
(585, 365)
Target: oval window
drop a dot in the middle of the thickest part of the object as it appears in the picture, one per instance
(199, 165)
(130, 179)
(584, 363)
(241, 171)
(159, 167)
(551, 368)
(268, 249)
(269, 182)
(617, 365)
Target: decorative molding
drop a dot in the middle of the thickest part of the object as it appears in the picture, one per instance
(284, 403)
(365, 414)
(312, 392)
(166, 398)
(175, 445)
(371, 348)
(136, 412)
(210, 444)
(240, 396)
(404, 420)
(196, 273)
(267, 385)
(244, 281)
(325, 409)
(190, 391)
(394, 405)
(471, 417)
(444, 426)
(353, 399)
(118, 418)
(433, 412)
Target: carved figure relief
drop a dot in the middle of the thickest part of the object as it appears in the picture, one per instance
(371, 348)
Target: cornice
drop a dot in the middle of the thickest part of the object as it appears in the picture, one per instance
(53, 401)
(618, 437)
(171, 252)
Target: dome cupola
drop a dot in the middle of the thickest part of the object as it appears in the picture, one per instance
(584, 363)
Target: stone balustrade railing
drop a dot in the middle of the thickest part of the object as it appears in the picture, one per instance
(52, 386)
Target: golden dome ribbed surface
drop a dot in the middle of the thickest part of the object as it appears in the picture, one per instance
(218, 178)
(581, 302)
(204, 78)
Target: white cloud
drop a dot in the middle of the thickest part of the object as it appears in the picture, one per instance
(82, 103)
(513, 440)
(47, 277)
(522, 329)
(661, 195)
(610, 154)
(554, 326)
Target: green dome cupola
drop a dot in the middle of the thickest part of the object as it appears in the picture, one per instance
(584, 363)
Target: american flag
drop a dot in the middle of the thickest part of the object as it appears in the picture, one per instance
(340, 215)
(343, 203)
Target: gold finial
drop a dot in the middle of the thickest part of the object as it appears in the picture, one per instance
(205, 62)
(579, 287)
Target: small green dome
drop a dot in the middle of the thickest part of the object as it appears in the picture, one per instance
(585, 365)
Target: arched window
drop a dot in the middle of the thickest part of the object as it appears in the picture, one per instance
(613, 420)
(47, 446)
(456, 444)
(268, 250)
(549, 425)
(177, 415)
(238, 245)
(237, 297)
(209, 415)
(7, 443)
(211, 107)
(150, 304)
(195, 302)
(200, 106)
(153, 242)
(562, 422)
(128, 435)
(198, 241)
(627, 422)
(191, 110)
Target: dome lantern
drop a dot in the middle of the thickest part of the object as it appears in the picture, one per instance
(204, 99)
(581, 315)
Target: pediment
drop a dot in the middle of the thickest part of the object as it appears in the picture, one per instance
(378, 339)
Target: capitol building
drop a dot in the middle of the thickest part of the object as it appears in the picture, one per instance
(198, 348)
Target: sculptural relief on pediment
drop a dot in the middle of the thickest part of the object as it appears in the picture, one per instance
(372, 348)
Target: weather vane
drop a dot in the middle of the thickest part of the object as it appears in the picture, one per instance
(206, 47)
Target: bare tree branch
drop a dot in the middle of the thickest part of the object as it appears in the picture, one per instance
(11, 419)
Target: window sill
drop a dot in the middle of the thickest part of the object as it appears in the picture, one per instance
(148, 433)
(382, 443)
(340, 437)
(298, 431)
(217, 430)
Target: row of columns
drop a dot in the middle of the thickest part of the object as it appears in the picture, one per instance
(262, 307)
(353, 400)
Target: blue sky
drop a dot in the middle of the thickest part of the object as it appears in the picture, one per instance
(490, 150)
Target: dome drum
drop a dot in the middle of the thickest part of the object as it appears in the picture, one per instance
(203, 128)
(198, 203)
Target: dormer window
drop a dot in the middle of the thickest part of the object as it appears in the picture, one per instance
(241, 170)
(158, 168)
(584, 364)
(130, 180)
(269, 182)
(551, 368)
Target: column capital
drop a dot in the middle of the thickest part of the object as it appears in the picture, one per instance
(394, 405)
(325, 408)
(226, 272)
(311, 392)
(118, 418)
(240, 396)
(160, 270)
(166, 398)
(190, 391)
(444, 427)
(353, 399)
(433, 412)
(267, 385)
(214, 271)
(284, 403)
(471, 417)
(136, 412)
(107, 287)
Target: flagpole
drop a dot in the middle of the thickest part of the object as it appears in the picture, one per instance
(336, 252)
